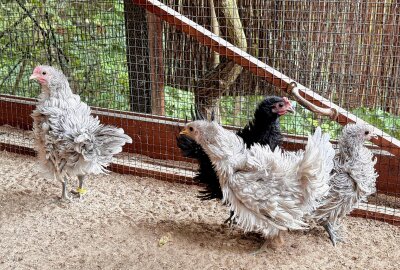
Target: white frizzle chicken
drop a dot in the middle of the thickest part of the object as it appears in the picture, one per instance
(353, 179)
(268, 191)
(69, 140)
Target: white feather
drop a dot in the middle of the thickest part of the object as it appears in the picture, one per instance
(352, 179)
(69, 140)
(268, 191)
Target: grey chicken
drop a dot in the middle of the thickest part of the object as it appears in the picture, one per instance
(353, 179)
(268, 191)
(69, 140)
(264, 129)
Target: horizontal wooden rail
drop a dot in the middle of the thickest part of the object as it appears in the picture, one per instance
(391, 219)
(283, 82)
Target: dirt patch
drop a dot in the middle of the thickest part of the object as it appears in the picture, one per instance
(127, 222)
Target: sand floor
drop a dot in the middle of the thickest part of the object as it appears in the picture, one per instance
(127, 222)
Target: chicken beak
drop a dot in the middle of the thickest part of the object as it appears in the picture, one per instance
(184, 132)
(290, 108)
(33, 77)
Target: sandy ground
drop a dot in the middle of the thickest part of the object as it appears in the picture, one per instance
(126, 222)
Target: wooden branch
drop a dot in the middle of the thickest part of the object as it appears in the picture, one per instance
(19, 76)
(276, 78)
(215, 29)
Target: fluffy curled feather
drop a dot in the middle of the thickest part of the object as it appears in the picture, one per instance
(268, 191)
(69, 140)
(352, 179)
(263, 129)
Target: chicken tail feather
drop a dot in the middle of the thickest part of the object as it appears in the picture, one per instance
(98, 147)
(315, 167)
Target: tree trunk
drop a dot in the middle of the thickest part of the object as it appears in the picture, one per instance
(217, 81)
(137, 54)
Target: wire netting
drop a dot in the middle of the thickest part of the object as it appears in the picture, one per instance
(145, 75)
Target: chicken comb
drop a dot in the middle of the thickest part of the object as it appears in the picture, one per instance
(286, 100)
(37, 69)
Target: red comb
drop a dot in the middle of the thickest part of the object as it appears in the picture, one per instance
(36, 70)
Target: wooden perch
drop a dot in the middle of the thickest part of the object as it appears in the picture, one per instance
(283, 82)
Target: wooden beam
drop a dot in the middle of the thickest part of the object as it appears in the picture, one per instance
(138, 170)
(283, 82)
(395, 220)
(154, 26)
(137, 56)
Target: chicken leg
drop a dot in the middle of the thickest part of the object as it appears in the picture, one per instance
(333, 235)
(80, 191)
(230, 220)
(64, 194)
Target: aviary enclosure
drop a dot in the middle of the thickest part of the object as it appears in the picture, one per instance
(143, 65)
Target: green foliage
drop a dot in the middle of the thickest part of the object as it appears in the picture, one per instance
(87, 40)
(304, 122)
(236, 110)
(379, 118)
(178, 103)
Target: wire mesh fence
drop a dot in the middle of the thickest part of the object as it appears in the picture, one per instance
(145, 75)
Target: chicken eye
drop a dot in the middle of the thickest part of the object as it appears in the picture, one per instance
(44, 73)
(190, 128)
(366, 132)
(280, 105)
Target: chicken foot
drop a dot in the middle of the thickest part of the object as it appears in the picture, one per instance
(230, 220)
(58, 166)
(80, 191)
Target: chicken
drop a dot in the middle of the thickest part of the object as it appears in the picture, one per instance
(69, 140)
(263, 129)
(268, 191)
(353, 179)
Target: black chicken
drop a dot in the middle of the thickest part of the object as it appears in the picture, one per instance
(263, 129)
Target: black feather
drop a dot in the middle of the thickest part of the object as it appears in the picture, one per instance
(263, 129)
